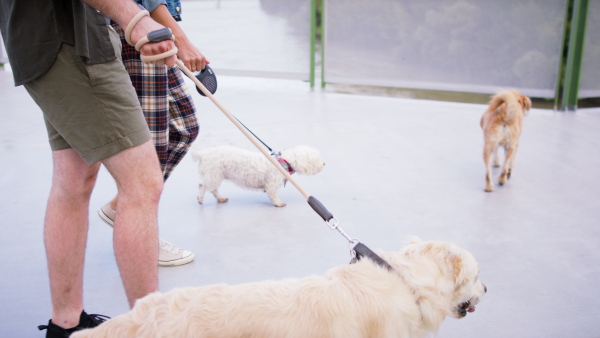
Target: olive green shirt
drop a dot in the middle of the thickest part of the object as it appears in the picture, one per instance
(34, 30)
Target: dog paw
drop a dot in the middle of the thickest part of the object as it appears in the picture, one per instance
(489, 188)
(222, 200)
(280, 205)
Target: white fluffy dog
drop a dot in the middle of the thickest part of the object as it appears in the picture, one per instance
(429, 281)
(251, 169)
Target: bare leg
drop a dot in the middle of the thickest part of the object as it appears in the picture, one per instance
(139, 182)
(113, 202)
(65, 233)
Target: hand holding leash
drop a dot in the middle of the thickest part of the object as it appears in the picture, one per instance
(154, 47)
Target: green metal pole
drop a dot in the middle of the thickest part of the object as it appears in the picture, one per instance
(313, 40)
(323, 18)
(574, 56)
(563, 57)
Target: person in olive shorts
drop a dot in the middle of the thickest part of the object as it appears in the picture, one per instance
(65, 55)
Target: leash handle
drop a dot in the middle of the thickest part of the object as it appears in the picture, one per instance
(320, 209)
(237, 123)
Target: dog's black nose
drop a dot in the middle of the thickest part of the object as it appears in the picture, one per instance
(484, 288)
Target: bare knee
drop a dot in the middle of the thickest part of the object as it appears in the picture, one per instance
(72, 176)
(147, 188)
(137, 173)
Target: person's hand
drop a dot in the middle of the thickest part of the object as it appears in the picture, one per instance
(191, 57)
(145, 26)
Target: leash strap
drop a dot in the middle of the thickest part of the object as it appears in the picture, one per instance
(256, 137)
(152, 58)
(134, 22)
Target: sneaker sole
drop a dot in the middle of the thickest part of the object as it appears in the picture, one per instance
(105, 218)
(177, 262)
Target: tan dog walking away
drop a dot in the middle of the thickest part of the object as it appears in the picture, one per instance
(502, 124)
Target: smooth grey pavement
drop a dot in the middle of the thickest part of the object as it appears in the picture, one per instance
(395, 168)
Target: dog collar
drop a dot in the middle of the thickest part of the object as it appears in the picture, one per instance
(285, 164)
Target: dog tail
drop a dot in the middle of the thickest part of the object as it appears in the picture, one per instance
(509, 102)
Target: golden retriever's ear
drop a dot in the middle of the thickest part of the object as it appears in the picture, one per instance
(457, 267)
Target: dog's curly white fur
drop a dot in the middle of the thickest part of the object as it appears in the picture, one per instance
(251, 169)
(502, 124)
(429, 281)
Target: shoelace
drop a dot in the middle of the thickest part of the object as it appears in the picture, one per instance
(98, 319)
(168, 247)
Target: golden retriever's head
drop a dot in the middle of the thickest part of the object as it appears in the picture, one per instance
(444, 276)
(469, 289)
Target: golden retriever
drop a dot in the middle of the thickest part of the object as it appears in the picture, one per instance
(429, 281)
(502, 124)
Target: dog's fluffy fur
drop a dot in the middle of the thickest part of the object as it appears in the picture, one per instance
(429, 281)
(251, 169)
(502, 124)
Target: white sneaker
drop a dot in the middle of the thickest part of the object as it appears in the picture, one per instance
(169, 254)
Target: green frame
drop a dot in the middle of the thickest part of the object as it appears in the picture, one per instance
(313, 40)
(575, 44)
(569, 73)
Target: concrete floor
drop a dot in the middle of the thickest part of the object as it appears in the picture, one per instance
(395, 168)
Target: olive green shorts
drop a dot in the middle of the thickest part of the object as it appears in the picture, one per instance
(91, 108)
